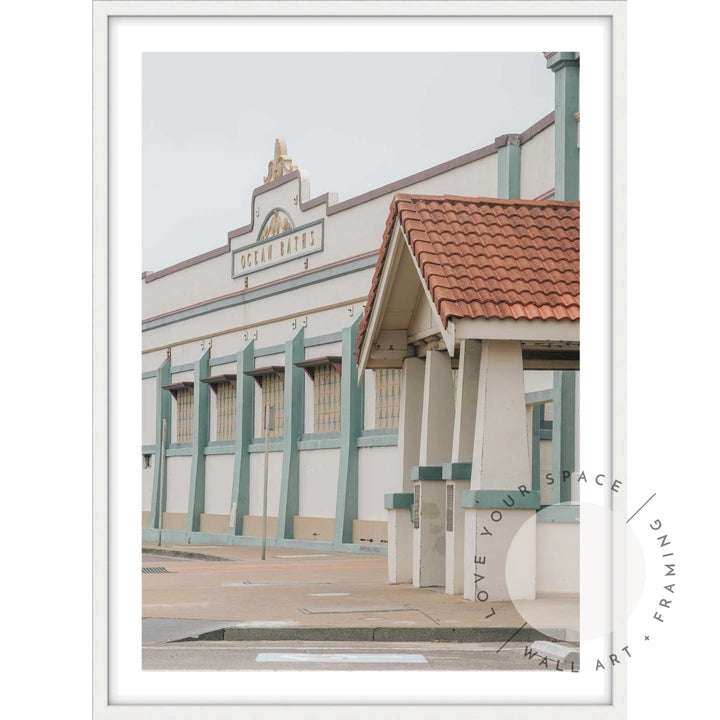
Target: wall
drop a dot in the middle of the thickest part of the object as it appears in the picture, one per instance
(257, 461)
(378, 468)
(558, 558)
(178, 483)
(318, 482)
(149, 402)
(147, 484)
(218, 483)
(537, 165)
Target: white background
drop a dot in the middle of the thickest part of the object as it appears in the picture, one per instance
(45, 227)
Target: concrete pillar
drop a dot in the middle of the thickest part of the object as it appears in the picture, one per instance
(436, 436)
(436, 433)
(244, 411)
(563, 436)
(201, 405)
(566, 66)
(508, 158)
(346, 505)
(466, 401)
(399, 503)
(429, 534)
(455, 536)
(293, 415)
(162, 412)
(500, 498)
(410, 421)
(400, 541)
(457, 472)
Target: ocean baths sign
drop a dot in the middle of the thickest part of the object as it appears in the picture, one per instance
(288, 245)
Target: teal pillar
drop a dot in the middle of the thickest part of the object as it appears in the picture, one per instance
(293, 416)
(538, 415)
(244, 416)
(566, 66)
(563, 436)
(346, 509)
(508, 157)
(201, 402)
(162, 412)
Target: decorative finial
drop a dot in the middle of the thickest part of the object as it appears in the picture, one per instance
(281, 164)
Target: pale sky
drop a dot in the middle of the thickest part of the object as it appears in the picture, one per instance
(354, 121)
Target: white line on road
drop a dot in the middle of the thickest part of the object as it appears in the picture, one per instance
(338, 658)
(301, 556)
(326, 594)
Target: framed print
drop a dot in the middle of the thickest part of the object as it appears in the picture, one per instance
(348, 432)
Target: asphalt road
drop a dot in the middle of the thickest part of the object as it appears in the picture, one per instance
(286, 655)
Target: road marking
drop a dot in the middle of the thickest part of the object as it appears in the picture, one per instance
(339, 658)
(326, 594)
(263, 583)
(265, 624)
(301, 556)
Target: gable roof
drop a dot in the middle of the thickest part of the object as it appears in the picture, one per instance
(489, 258)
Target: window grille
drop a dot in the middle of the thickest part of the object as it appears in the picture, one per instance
(387, 397)
(272, 393)
(226, 396)
(326, 399)
(185, 402)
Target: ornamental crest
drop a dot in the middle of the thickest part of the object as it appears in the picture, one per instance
(276, 222)
(281, 164)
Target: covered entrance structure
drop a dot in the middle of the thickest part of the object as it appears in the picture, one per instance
(477, 300)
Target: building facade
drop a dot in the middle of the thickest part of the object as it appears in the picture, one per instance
(271, 320)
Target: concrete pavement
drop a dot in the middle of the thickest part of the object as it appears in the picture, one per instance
(305, 595)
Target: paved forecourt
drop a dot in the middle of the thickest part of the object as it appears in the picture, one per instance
(232, 588)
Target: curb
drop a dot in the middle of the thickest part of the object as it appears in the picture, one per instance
(380, 634)
(184, 554)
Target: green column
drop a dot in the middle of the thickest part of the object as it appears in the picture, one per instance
(244, 415)
(162, 412)
(566, 66)
(508, 157)
(563, 435)
(346, 509)
(201, 402)
(538, 415)
(293, 416)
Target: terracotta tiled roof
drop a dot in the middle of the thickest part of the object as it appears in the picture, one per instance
(490, 258)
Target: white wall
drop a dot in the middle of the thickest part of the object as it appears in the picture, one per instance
(299, 303)
(378, 468)
(147, 483)
(149, 403)
(218, 483)
(318, 482)
(256, 482)
(537, 165)
(558, 559)
(178, 483)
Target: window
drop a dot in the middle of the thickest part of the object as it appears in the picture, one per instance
(226, 396)
(271, 382)
(325, 372)
(184, 394)
(224, 388)
(185, 401)
(273, 394)
(326, 399)
(387, 397)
